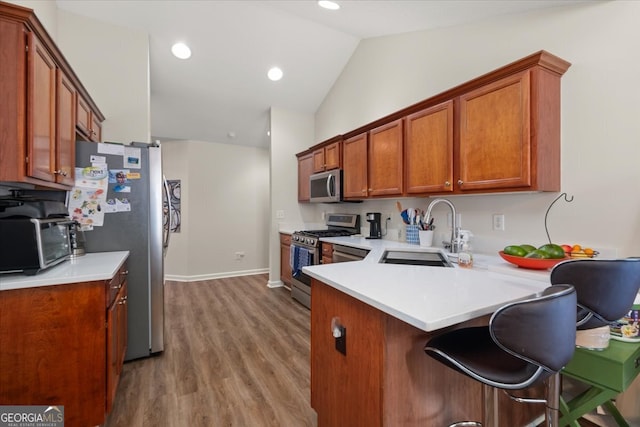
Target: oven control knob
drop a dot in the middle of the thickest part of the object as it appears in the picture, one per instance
(295, 238)
(311, 242)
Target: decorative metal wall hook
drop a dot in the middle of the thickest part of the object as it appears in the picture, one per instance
(567, 199)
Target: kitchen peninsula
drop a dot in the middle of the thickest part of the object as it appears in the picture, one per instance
(388, 313)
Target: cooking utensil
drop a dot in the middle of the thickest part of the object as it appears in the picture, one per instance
(405, 216)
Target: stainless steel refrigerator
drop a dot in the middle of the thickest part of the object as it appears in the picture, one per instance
(142, 230)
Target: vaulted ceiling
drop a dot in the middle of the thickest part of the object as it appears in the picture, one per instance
(222, 94)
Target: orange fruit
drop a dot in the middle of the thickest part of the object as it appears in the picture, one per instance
(576, 248)
(588, 251)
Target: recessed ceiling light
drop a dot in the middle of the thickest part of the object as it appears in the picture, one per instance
(181, 50)
(274, 74)
(331, 5)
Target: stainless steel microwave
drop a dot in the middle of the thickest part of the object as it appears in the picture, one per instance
(326, 187)
(30, 245)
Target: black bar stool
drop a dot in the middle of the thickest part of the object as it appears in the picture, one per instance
(606, 288)
(526, 342)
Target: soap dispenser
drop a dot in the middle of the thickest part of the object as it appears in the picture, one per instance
(465, 257)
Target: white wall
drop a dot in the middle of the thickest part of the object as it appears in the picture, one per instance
(600, 125)
(291, 132)
(113, 64)
(46, 11)
(225, 209)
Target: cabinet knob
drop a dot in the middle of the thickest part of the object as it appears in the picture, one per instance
(447, 184)
(364, 191)
(460, 182)
(123, 300)
(371, 189)
(124, 273)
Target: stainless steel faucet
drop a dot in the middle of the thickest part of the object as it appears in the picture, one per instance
(455, 243)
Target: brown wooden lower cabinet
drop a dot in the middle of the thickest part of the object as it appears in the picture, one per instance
(285, 266)
(57, 347)
(385, 378)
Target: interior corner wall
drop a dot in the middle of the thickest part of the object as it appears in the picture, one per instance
(225, 210)
(113, 64)
(598, 116)
(291, 133)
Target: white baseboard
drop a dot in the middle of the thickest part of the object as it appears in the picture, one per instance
(275, 284)
(199, 277)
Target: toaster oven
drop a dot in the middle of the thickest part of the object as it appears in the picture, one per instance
(30, 245)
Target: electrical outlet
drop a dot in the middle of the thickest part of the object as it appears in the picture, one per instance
(239, 255)
(280, 214)
(498, 222)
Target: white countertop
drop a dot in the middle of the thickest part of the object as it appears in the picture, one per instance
(428, 298)
(87, 268)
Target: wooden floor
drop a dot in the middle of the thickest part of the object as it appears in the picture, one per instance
(236, 354)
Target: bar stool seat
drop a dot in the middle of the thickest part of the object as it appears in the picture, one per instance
(527, 342)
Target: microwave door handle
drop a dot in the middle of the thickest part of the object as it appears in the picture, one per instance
(329, 178)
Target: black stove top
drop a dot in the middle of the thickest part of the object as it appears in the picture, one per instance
(326, 233)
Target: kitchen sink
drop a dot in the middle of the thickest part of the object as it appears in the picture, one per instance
(426, 257)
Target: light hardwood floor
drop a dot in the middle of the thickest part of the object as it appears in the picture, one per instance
(236, 354)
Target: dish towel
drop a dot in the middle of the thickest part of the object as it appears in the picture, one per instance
(294, 257)
(300, 258)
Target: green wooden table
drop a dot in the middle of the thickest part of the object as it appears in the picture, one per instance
(607, 372)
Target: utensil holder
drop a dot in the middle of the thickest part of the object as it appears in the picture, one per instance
(413, 236)
(426, 237)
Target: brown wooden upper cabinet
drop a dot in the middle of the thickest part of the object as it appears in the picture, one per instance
(88, 124)
(498, 132)
(372, 163)
(509, 134)
(39, 92)
(428, 145)
(305, 169)
(354, 165)
(385, 160)
(327, 157)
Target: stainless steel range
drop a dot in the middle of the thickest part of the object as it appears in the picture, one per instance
(306, 249)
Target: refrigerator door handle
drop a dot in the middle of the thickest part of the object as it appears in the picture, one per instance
(169, 217)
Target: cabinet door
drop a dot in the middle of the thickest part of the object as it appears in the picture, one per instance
(66, 136)
(116, 343)
(354, 164)
(83, 117)
(327, 253)
(494, 148)
(305, 169)
(428, 149)
(385, 160)
(41, 112)
(96, 129)
(318, 160)
(112, 354)
(122, 326)
(285, 254)
(332, 156)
